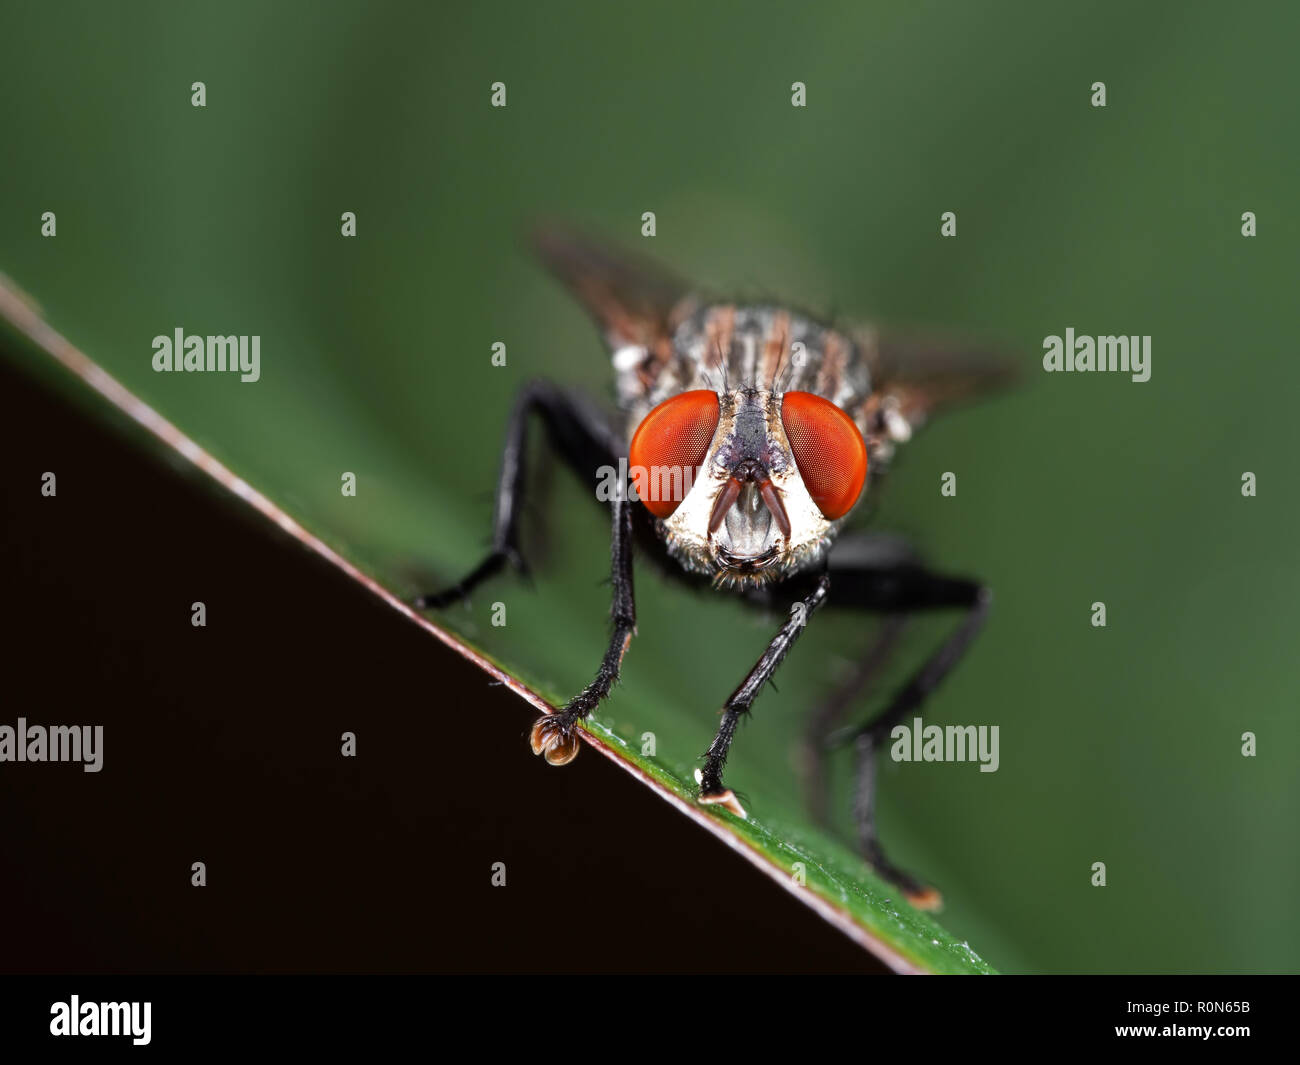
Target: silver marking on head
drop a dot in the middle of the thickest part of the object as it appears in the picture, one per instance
(748, 518)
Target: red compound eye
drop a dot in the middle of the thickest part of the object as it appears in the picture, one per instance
(828, 449)
(670, 446)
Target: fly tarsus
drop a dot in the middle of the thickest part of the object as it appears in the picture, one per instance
(493, 564)
(920, 895)
(713, 792)
(904, 590)
(817, 740)
(555, 736)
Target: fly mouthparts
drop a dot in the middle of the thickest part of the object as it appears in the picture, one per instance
(746, 563)
(766, 489)
(772, 498)
(725, 501)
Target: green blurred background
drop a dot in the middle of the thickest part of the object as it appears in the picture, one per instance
(1120, 744)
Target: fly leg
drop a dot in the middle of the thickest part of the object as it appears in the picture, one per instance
(712, 790)
(906, 589)
(582, 439)
(556, 735)
(825, 718)
(587, 444)
(859, 551)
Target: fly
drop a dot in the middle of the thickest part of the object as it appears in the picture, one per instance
(750, 434)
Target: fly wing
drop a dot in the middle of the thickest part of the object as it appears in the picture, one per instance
(915, 376)
(633, 300)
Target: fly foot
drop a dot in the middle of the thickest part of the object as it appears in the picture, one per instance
(725, 798)
(924, 898)
(555, 737)
(714, 793)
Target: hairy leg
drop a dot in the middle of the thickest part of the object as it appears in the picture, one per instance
(712, 790)
(555, 735)
(898, 591)
(586, 443)
(580, 437)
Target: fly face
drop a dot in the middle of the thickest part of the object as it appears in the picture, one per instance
(749, 517)
(751, 435)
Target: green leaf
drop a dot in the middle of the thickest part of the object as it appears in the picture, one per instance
(418, 520)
